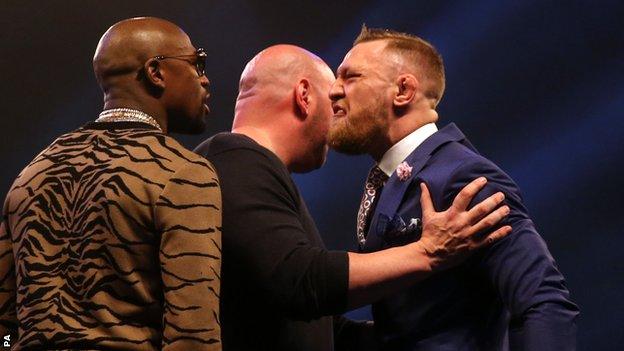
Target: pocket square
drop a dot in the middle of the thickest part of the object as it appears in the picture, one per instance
(395, 227)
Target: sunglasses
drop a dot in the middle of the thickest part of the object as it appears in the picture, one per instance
(199, 62)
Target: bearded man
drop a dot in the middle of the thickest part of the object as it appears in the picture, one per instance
(384, 101)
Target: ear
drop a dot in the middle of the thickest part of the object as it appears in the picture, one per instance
(302, 97)
(153, 74)
(407, 86)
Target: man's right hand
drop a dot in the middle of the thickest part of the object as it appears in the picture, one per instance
(449, 237)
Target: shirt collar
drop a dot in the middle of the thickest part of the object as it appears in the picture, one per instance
(399, 151)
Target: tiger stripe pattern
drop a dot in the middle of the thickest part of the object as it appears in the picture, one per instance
(111, 239)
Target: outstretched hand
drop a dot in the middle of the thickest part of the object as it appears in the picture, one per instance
(449, 237)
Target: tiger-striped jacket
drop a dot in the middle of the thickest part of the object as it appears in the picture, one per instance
(111, 239)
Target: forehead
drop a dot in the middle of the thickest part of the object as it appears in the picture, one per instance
(364, 54)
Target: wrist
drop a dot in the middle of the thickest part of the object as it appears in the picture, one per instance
(421, 257)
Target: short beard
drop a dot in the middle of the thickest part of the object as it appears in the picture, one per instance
(352, 139)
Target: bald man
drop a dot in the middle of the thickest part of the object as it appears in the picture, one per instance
(279, 283)
(111, 236)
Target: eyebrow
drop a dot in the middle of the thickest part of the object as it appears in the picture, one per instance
(342, 69)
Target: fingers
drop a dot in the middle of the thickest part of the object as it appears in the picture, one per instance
(426, 204)
(464, 197)
(484, 207)
(495, 236)
(490, 220)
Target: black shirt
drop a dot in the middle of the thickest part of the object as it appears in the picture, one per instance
(278, 280)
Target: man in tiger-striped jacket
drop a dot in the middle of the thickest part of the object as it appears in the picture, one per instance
(111, 236)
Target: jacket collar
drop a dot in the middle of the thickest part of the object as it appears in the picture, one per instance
(394, 189)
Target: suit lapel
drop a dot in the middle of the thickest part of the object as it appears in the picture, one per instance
(394, 190)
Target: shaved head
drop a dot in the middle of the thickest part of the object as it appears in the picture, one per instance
(150, 64)
(276, 70)
(128, 44)
(283, 104)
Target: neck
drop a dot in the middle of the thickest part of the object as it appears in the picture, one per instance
(151, 109)
(266, 138)
(403, 126)
(379, 148)
(269, 125)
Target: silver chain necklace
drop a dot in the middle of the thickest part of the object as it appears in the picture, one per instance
(127, 115)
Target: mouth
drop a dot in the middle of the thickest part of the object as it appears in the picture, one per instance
(339, 111)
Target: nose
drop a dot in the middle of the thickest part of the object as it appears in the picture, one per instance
(336, 91)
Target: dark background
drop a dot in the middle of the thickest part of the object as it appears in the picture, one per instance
(538, 86)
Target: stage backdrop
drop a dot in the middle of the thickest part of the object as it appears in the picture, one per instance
(538, 86)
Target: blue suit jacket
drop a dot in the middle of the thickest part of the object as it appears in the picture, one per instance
(512, 287)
